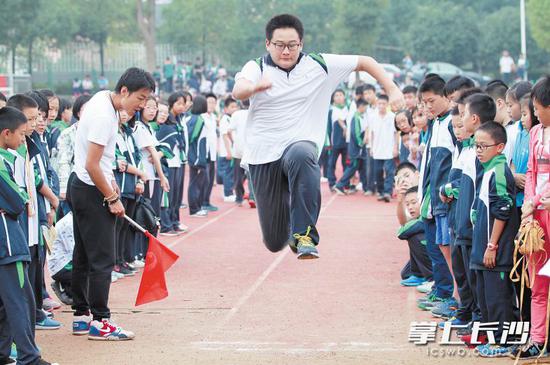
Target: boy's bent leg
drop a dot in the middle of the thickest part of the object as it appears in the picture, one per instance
(273, 203)
(348, 174)
(299, 162)
(17, 308)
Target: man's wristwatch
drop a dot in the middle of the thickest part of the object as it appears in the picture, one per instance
(492, 246)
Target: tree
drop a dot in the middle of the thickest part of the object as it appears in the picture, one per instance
(99, 19)
(147, 26)
(434, 37)
(357, 25)
(538, 12)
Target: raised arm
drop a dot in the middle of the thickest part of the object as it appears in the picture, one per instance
(369, 64)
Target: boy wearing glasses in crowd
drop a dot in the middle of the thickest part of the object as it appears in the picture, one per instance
(495, 219)
(289, 94)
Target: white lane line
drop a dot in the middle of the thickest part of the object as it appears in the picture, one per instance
(283, 347)
(200, 228)
(246, 296)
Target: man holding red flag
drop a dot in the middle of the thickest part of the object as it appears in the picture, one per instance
(94, 197)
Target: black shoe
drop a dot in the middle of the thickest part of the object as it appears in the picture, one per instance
(529, 351)
(6, 360)
(124, 271)
(61, 293)
(386, 198)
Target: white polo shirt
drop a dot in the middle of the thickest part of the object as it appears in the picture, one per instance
(295, 107)
(98, 124)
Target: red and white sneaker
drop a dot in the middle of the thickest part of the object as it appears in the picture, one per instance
(105, 330)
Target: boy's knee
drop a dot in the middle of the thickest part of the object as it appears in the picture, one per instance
(276, 244)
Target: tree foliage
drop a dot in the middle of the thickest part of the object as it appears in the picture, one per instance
(538, 12)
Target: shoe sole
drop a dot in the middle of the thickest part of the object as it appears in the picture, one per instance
(80, 333)
(308, 256)
(410, 285)
(40, 328)
(110, 338)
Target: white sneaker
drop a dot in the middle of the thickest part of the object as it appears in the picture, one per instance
(200, 214)
(324, 179)
(426, 287)
(229, 199)
(50, 304)
(114, 277)
(117, 274)
(106, 330)
(138, 264)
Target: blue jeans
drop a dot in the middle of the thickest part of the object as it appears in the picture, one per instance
(336, 152)
(371, 179)
(384, 172)
(225, 169)
(443, 280)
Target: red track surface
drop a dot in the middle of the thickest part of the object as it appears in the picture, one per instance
(233, 302)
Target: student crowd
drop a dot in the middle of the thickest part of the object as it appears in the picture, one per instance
(471, 167)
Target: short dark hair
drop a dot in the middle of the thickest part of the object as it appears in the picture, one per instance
(3, 97)
(483, 106)
(79, 103)
(455, 111)
(21, 102)
(340, 91)
(412, 190)
(382, 97)
(466, 93)
(541, 91)
(433, 83)
(47, 93)
(229, 101)
(64, 104)
(496, 89)
(410, 89)
(135, 79)
(210, 95)
(369, 87)
(495, 130)
(358, 90)
(174, 97)
(41, 100)
(284, 21)
(519, 89)
(11, 118)
(361, 102)
(199, 105)
(405, 165)
(456, 83)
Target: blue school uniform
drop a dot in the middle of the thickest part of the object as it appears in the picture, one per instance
(357, 152)
(520, 158)
(198, 161)
(126, 150)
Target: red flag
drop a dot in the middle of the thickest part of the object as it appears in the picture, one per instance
(158, 260)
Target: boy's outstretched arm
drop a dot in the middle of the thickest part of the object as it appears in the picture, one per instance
(370, 65)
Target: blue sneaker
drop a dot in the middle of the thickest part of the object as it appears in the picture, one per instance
(13, 353)
(445, 309)
(489, 350)
(412, 281)
(48, 324)
(81, 325)
(454, 322)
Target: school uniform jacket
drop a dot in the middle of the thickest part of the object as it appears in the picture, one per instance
(13, 200)
(442, 146)
(424, 195)
(472, 173)
(450, 189)
(356, 147)
(413, 232)
(44, 175)
(126, 150)
(495, 200)
(170, 135)
(338, 137)
(198, 154)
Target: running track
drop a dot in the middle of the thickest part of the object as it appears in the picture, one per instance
(233, 302)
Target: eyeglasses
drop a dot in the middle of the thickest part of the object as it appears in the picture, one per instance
(280, 46)
(484, 147)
